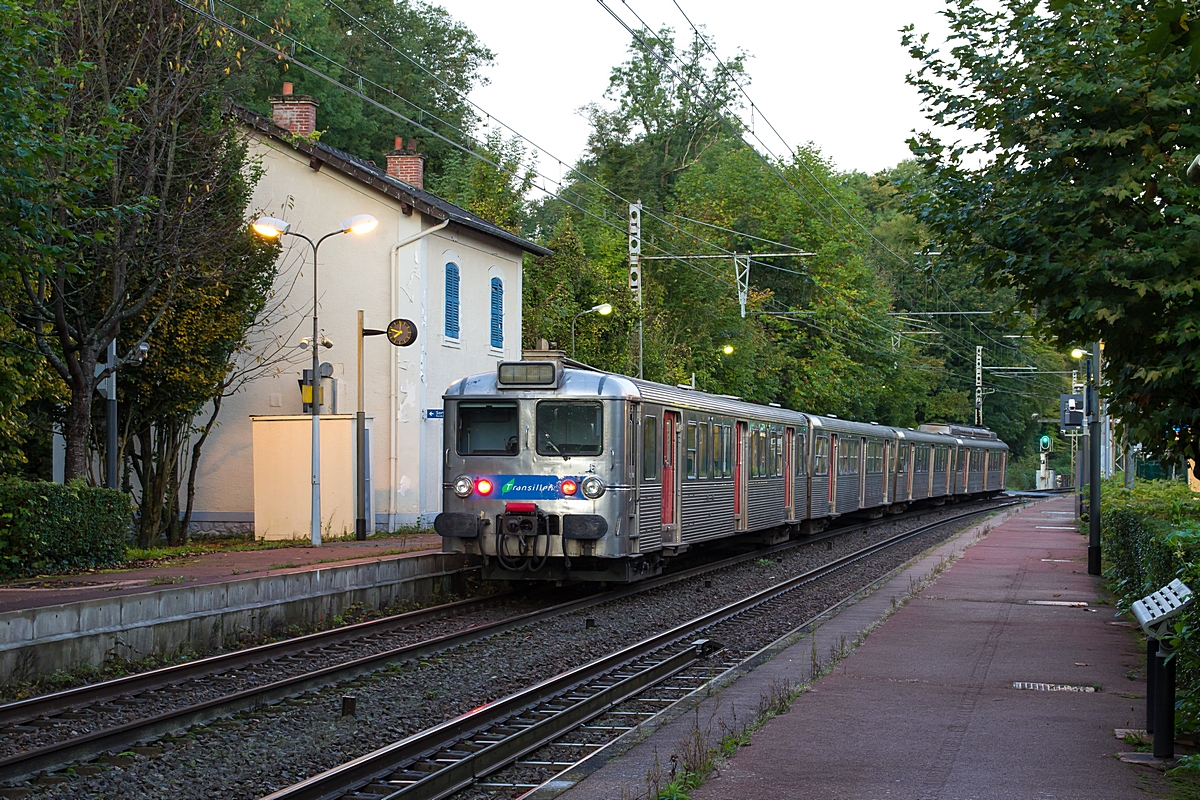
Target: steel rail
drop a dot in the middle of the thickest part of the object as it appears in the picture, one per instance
(95, 743)
(91, 694)
(448, 758)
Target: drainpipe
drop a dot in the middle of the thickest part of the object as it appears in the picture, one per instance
(393, 456)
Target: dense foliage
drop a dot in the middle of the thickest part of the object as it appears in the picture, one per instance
(1151, 535)
(45, 527)
(1070, 188)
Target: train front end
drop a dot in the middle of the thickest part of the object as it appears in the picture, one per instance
(536, 476)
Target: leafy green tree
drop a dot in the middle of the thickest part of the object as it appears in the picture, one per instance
(496, 193)
(409, 33)
(153, 91)
(1070, 190)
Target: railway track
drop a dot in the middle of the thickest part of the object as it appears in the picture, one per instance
(450, 757)
(78, 708)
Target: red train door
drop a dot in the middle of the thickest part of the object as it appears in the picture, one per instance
(739, 478)
(670, 515)
(789, 472)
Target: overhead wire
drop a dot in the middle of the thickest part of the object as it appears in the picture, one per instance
(816, 179)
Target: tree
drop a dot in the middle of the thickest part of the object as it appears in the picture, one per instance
(1070, 188)
(412, 33)
(153, 93)
(495, 193)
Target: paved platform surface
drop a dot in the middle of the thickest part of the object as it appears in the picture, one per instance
(925, 708)
(215, 567)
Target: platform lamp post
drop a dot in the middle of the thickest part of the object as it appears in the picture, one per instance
(604, 309)
(272, 228)
(1092, 406)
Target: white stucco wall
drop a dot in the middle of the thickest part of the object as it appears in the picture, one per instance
(364, 272)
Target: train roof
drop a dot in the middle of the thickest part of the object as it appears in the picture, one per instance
(582, 381)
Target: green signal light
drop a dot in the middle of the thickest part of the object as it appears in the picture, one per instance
(1045, 442)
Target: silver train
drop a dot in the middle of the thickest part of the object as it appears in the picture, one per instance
(556, 471)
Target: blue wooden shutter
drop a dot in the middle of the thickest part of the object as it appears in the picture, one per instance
(452, 301)
(497, 313)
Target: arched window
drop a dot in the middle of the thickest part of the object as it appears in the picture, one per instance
(451, 300)
(497, 313)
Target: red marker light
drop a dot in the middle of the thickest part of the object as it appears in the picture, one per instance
(520, 508)
(569, 487)
(483, 486)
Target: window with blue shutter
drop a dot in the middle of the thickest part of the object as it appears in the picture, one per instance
(497, 313)
(452, 301)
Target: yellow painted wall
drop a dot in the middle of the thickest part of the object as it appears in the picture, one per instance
(283, 476)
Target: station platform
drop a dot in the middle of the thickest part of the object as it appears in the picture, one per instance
(928, 707)
(219, 566)
(213, 600)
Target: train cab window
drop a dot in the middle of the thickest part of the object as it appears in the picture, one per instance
(691, 450)
(488, 429)
(570, 428)
(821, 455)
(650, 449)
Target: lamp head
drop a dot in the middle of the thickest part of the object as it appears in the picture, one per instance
(604, 309)
(270, 227)
(359, 223)
(727, 349)
(1078, 353)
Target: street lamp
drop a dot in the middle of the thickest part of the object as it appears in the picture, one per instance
(604, 309)
(1092, 407)
(272, 228)
(727, 349)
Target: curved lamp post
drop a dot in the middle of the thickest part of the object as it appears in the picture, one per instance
(272, 228)
(604, 309)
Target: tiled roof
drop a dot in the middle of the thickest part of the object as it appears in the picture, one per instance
(322, 155)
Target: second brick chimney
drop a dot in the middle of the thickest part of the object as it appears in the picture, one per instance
(294, 112)
(407, 164)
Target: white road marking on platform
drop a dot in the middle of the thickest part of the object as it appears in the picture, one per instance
(1068, 603)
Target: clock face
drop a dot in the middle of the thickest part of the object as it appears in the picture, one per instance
(401, 332)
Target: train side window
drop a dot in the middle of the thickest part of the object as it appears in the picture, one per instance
(691, 450)
(800, 439)
(727, 449)
(703, 463)
(821, 455)
(650, 449)
(717, 450)
(779, 444)
(902, 459)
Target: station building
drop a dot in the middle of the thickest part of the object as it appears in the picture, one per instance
(454, 276)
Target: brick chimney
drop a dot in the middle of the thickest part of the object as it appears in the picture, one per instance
(294, 112)
(407, 164)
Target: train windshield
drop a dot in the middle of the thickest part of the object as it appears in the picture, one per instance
(570, 428)
(487, 429)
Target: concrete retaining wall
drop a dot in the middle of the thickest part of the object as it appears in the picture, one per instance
(39, 641)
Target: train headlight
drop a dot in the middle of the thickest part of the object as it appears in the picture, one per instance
(569, 487)
(592, 487)
(463, 486)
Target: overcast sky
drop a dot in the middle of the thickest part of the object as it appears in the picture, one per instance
(823, 72)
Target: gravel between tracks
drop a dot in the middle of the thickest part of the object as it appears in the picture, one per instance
(255, 754)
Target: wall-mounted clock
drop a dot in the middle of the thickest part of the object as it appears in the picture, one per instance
(402, 332)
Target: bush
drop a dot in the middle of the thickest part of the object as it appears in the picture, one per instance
(47, 527)
(1151, 535)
